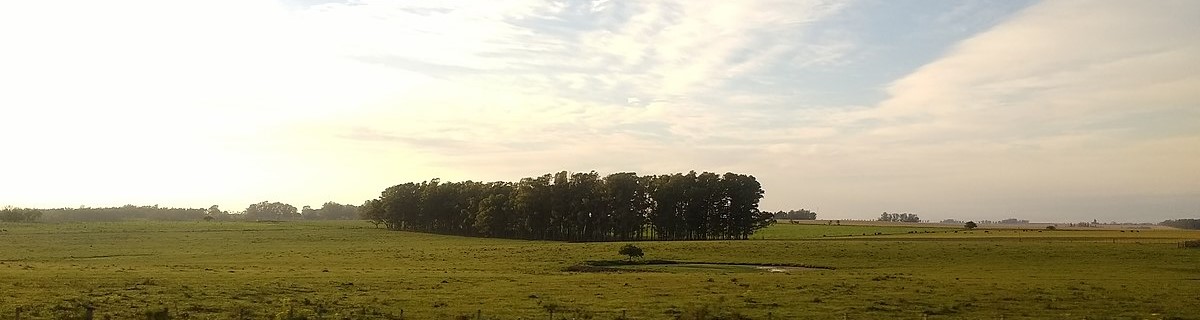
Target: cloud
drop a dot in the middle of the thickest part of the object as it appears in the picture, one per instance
(550, 78)
(1051, 102)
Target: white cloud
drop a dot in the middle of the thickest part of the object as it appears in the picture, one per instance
(1044, 107)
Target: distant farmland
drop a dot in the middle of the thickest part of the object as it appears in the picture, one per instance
(352, 270)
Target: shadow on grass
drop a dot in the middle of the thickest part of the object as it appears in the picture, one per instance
(622, 265)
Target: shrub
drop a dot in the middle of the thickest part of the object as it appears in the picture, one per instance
(632, 251)
(1190, 244)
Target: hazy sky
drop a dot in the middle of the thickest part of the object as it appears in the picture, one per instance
(1054, 110)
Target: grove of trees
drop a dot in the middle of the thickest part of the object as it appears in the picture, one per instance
(899, 217)
(578, 207)
(271, 211)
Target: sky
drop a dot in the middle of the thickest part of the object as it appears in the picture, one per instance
(1039, 110)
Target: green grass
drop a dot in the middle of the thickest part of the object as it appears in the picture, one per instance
(217, 270)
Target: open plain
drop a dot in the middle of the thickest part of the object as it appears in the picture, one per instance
(352, 270)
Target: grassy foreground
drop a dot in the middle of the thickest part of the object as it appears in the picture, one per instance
(351, 270)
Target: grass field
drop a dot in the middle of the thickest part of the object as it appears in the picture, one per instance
(336, 270)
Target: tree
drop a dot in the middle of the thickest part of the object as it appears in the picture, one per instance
(970, 225)
(494, 215)
(631, 251)
(372, 210)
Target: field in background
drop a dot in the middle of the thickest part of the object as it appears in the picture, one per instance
(334, 270)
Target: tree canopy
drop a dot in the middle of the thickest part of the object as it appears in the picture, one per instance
(578, 207)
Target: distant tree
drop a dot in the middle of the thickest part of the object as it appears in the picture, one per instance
(336, 211)
(209, 218)
(1051, 228)
(631, 251)
(308, 213)
(971, 225)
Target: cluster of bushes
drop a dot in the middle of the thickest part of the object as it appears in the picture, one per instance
(579, 207)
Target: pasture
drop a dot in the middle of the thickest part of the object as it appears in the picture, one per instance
(352, 270)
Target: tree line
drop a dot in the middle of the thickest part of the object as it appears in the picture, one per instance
(281, 211)
(11, 214)
(802, 214)
(899, 217)
(259, 211)
(1193, 224)
(578, 207)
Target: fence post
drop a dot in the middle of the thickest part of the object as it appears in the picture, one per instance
(88, 312)
(479, 314)
(19, 313)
